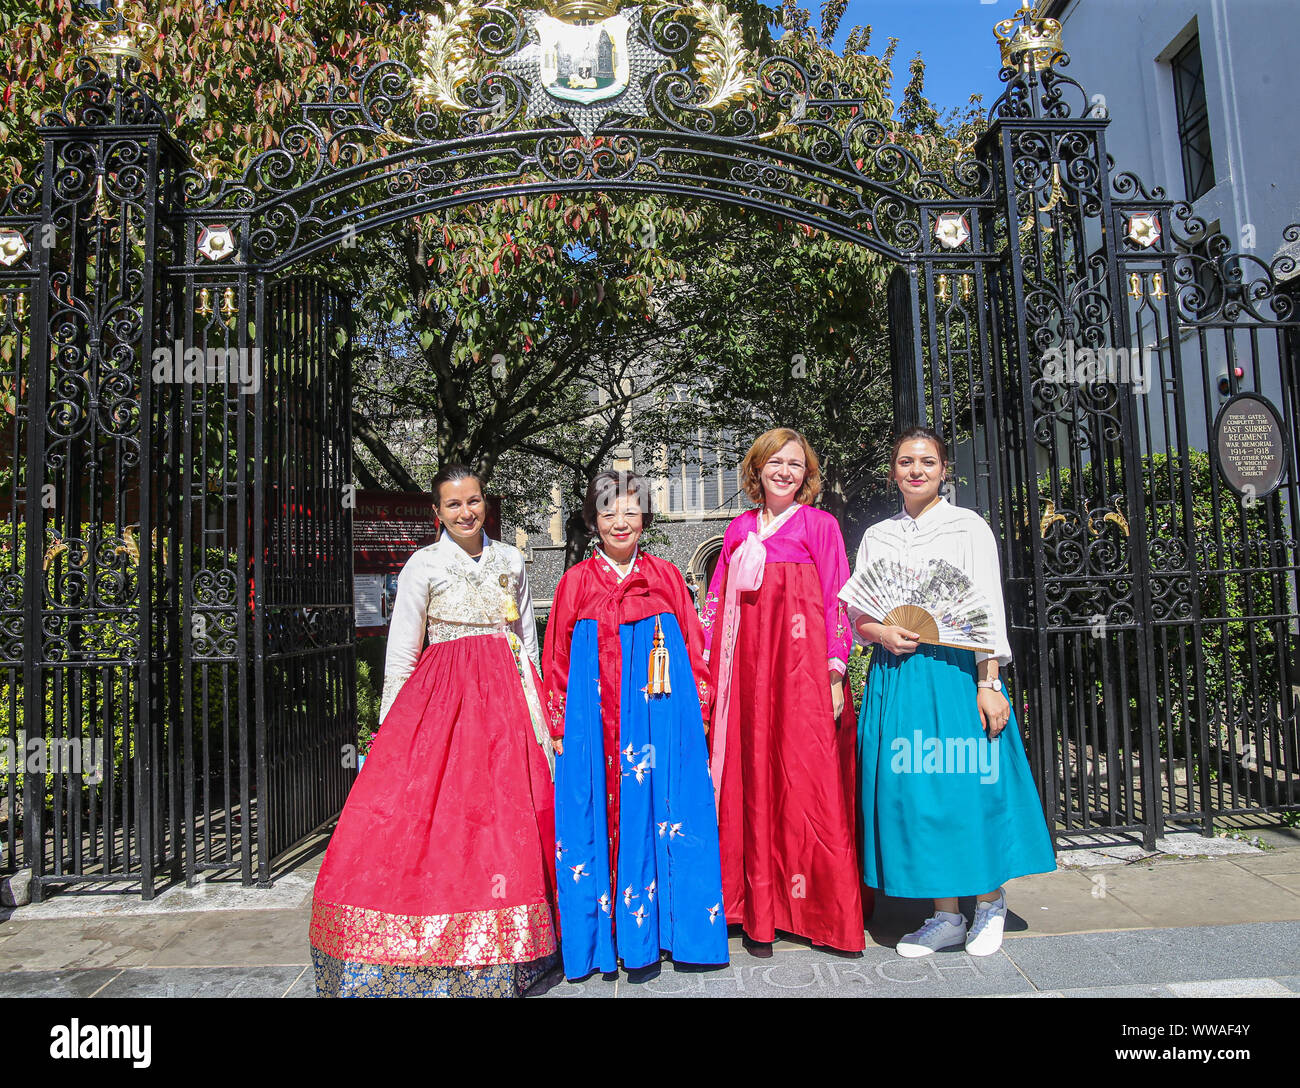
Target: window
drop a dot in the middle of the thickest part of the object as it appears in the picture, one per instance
(1193, 120)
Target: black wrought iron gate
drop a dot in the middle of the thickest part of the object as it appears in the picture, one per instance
(269, 732)
(1153, 607)
(175, 564)
(175, 456)
(305, 670)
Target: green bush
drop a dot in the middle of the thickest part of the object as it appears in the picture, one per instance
(369, 696)
(856, 672)
(1229, 657)
(102, 637)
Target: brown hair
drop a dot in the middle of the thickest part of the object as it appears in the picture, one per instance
(764, 449)
(613, 484)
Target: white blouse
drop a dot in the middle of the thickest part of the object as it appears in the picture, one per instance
(948, 532)
(444, 594)
(618, 573)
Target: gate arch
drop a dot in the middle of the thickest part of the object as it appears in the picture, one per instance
(202, 582)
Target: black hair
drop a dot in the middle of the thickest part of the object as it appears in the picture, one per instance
(610, 485)
(449, 474)
(913, 433)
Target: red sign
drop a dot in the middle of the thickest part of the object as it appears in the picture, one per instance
(388, 526)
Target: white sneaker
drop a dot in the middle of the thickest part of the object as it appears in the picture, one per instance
(936, 933)
(986, 931)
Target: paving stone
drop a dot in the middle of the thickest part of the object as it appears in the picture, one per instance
(1199, 894)
(305, 986)
(222, 939)
(1274, 861)
(1158, 955)
(71, 943)
(1120, 991)
(54, 983)
(1230, 987)
(1288, 881)
(203, 982)
(594, 985)
(879, 972)
(1031, 993)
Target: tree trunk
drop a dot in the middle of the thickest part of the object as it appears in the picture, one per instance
(576, 538)
(833, 499)
(364, 433)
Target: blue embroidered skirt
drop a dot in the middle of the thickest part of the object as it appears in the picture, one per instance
(668, 893)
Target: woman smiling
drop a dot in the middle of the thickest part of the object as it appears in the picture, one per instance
(636, 832)
(946, 826)
(782, 740)
(440, 880)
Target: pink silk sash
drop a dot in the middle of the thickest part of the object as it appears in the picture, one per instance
(745, 574)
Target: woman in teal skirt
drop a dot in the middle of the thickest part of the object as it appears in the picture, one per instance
(948, 805)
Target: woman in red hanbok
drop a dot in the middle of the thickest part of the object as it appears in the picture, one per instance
(783, 742)
(439, 880)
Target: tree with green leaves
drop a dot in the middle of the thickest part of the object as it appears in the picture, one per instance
(522, 331)
(805, 339)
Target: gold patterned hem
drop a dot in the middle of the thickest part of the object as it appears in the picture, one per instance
(340, 978)
(469, 939)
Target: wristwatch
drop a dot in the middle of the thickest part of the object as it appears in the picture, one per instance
(995, 684)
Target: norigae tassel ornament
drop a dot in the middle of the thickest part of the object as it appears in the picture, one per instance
(508, 600)
(657, 682)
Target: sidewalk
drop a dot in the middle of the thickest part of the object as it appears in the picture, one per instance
(1111, 922)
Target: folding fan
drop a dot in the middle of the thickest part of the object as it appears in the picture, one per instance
(931, 597)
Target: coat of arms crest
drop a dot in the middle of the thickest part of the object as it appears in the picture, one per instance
(584, 63)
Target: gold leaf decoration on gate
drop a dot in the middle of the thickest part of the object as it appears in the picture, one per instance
(724, 63)
(445, 57)
(129, 547)
(1117, 516)
(1050, 517)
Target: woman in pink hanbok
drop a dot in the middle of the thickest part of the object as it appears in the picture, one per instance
(783, 741)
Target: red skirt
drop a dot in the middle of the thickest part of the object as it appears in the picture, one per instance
(445, 852)
(786, 807)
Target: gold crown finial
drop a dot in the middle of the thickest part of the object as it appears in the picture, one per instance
(1034, 40)
(572, 11)
(122, 35)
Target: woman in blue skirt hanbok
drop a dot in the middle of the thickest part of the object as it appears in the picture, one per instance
(948, 805)
(636, 832)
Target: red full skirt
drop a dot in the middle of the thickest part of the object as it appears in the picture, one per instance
(444, 853)
(786, 810)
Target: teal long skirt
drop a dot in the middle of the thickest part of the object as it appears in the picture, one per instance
(945, 811)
